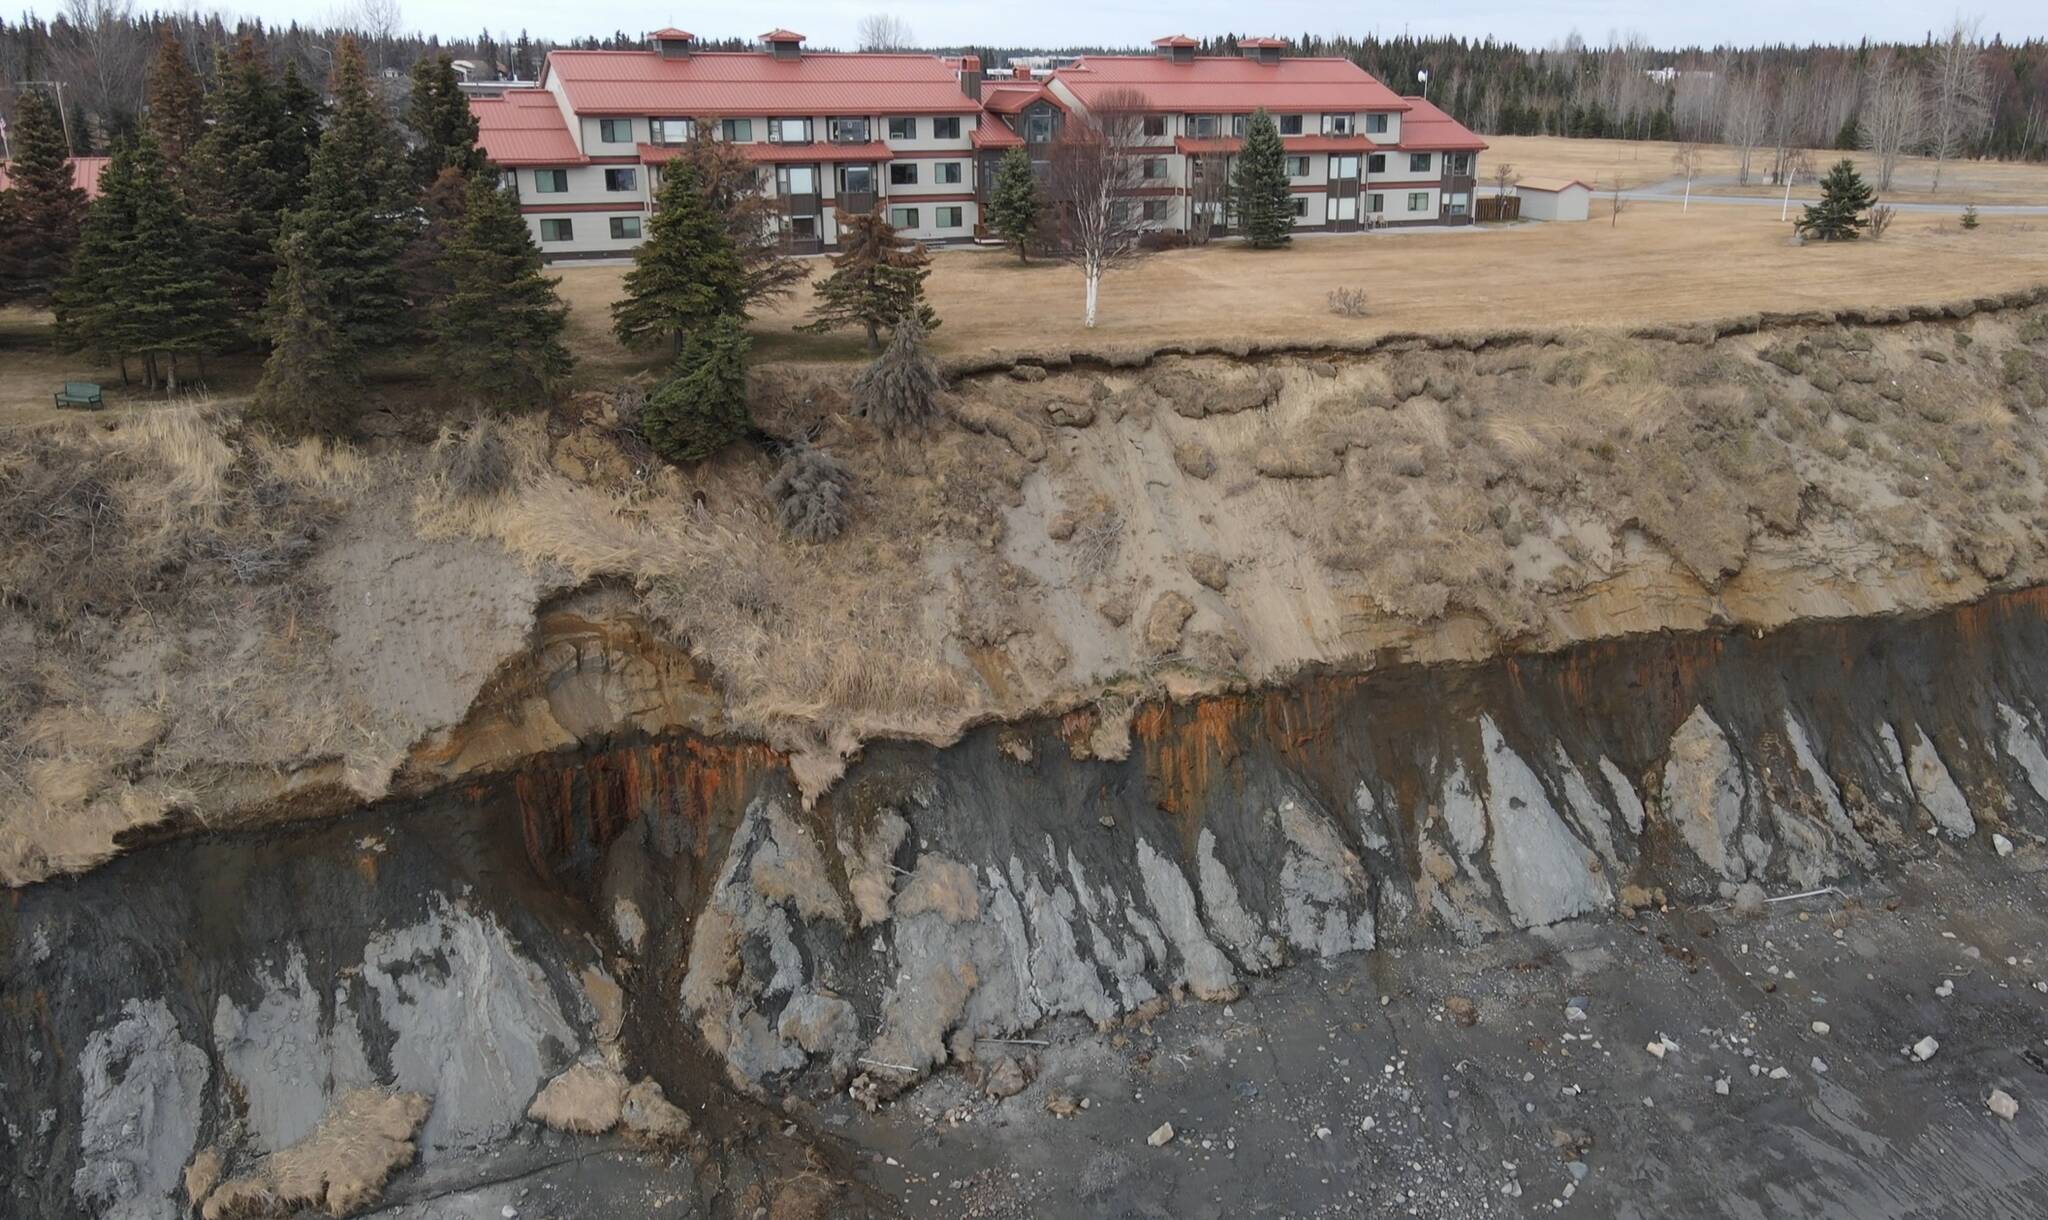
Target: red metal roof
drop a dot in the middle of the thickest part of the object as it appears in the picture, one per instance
(672, 33)
(992, 132)
(717, 83)
(1231, 84)
(524, 127)
(1011, 97)
(1175, 40)
(778, 34)
(1262, 42)
(1427, 129)
(85, 174)
(1293, 144)
(780, 154)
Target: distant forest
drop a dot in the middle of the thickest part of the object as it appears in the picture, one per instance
(1951, 94)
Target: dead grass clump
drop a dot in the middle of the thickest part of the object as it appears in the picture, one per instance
(812, 493)
(340, 1168)
(474, 463)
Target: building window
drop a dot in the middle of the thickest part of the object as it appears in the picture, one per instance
(1297, 167)
(1338, 124)
(1458, 165)
(949, 218)
(557, 229)
(1153, 168)
(739, 131)
(1205, 126)
(622, 179)
(670, 131)
(903, 129)
(1376, 163)
(1344, 167)
(550, 181)
(1418, 201)
(903, 218)
(1290, 124)
(947, 128)
(796, 179)
(1376, 124)
(615, 131)
(1038, 126)
(789, 131)
(857, 179)
(848, 131)
(1155, 126)
(1458, 204)
(1375, 202)
(1300, 206)
(946, 172)
(803, 228)
(1154, 211)
(1418, 163)
(1237, 122)
(903, 173)
(625, 228)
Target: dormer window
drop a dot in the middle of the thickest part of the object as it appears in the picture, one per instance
(1376, 124)
(1339, 124)
(849, 131)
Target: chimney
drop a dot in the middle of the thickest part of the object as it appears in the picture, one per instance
(1020, 71)
(1176, 48)
(1262, 50)
(783, 44)
(671, 43)
(970, 76)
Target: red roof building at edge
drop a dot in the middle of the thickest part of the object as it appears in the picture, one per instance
(920, 136)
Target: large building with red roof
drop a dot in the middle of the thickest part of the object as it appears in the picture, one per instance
(919, 135)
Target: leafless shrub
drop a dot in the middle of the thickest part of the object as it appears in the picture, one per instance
(811, 491)
(628, 401)
(1881, 218)
(1348, 302)
(1098, 536)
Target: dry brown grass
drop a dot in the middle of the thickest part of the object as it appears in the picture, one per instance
(1657, 265)
(1642, 162)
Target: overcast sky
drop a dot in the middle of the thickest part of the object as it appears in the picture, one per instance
(1055, 22)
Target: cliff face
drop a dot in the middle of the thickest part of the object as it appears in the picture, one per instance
(203, 631)
(669, 905)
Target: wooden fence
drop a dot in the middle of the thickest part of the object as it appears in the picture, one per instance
(1497, 207)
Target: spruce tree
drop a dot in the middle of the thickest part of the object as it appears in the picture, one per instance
(439, 117)
(686, 274)
(353, 216)
(90, 310)
(899, 391)
(731, 185)
(1014, 204)
(240, 185)
(1839, 214)
(35, 251)
(313, 379)
(176, 115)
(876, 280)
(143, 282)
(702, 406)
(1265, 207)
(500, 327)
(301, 120)
(428, 281)
(1850, 137)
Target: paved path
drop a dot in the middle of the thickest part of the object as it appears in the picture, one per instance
(1672, 190)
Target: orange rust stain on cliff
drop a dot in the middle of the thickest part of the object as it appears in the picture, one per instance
(1184, 747)
(1975, 622)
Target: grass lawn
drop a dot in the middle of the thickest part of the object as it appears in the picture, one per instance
(1639, 162)
(1657, 264)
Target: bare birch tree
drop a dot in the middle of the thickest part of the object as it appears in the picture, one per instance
(1958, 95)
(1745, 116)
(104, 50)
(1096, 173)
(884, 32)
(1892, 115)
(1688, 159)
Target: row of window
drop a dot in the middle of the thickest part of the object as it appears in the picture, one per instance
(561, 228)
(942, 217)
(781, 131)
(1206, 126)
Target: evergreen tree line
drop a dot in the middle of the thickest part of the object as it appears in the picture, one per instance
(246, 212)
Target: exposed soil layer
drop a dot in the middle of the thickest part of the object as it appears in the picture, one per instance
(669, 908)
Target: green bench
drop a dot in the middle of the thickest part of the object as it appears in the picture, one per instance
(84, 394)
